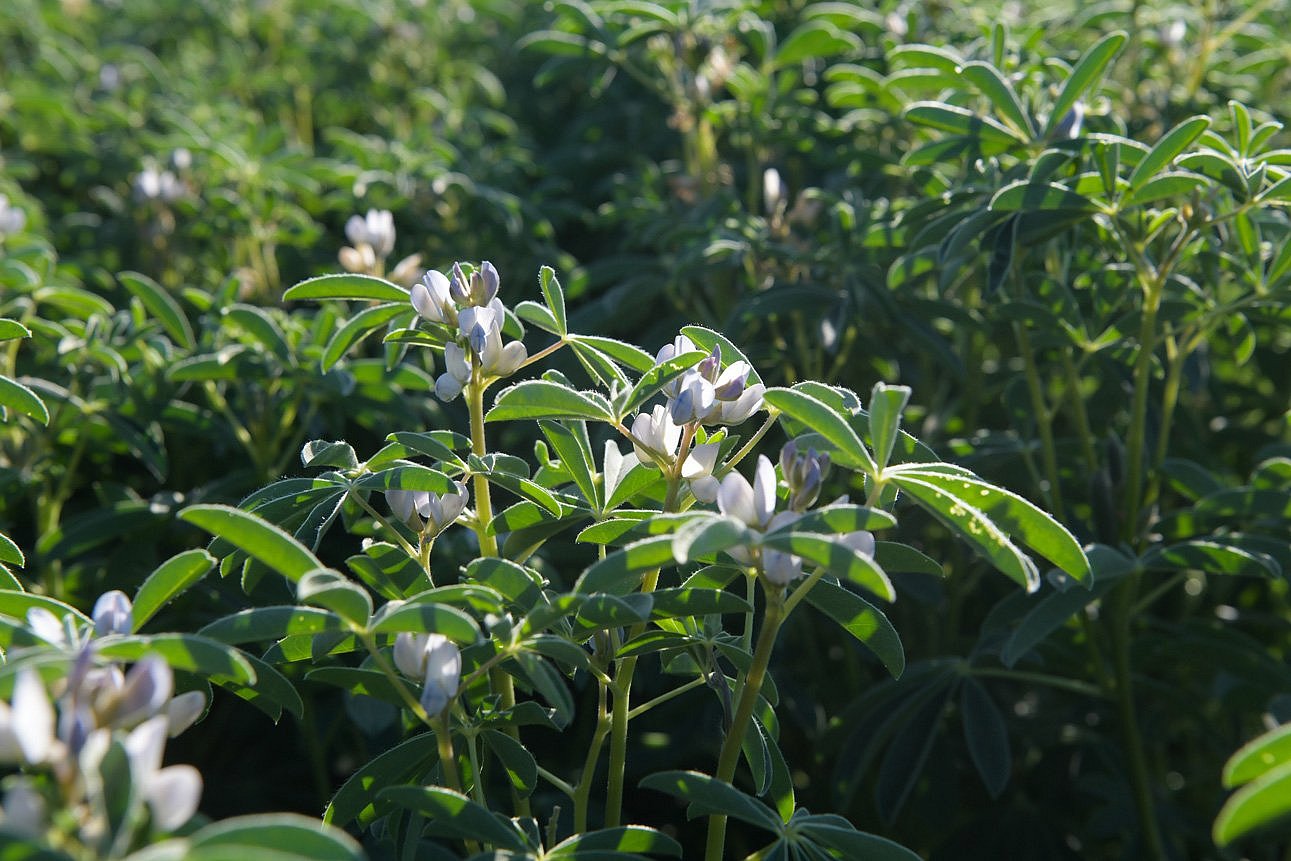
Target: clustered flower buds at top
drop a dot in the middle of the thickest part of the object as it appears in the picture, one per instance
(375, 230)
(804, 473)
(709, 394)
(471, 304)
(70, 733)
(433, 660)
(440, 510)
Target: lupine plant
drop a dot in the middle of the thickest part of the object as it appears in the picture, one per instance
(477, 651)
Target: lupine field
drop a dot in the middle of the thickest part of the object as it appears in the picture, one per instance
(642, 429)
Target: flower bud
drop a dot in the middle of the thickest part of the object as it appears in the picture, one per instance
(113, 614)
(432, 300)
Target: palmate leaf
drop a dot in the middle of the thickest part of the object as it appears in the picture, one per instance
(1083, 77)
(545, 399)
(454, 815)
(708, 795)
(824, 420)
(357, 799)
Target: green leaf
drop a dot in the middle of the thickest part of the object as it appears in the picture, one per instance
(15, 604)
(256, 537)
(1262, 802)
(1212, 557)
(834, 427)
(261, 328)
(961, 121)
(11, 553)
(437, 618)
(835, 557)
(814, 39)
(331, 590)
(359, 681)
(289, 833)
(1083, 77)
(608, 842)
(628, 355)
(1019, 517)
(554, 296)
(705, 536)
(161, 305)
(549, 684)
(537, 315)
(1027, 196)
(520, 766)
(357, 797)
(359, 327)
(863, 621)
(987, 736)
(975, 527)
(705, 339)
(189, 652)
(620, 572)
(543, 399)
(261, 624)
(694, 602)
(886, 405)
(903, 559)
(347, 286)
(170, 579)
(653, 380)
(839, 835)
(707, 795)
(1169, 184)
(574, 450)
(321, 452)
(997, 88)
(1258, 757)
(15, 396)
(407, 476)
(271, 692)
(454, 815)
(11, 329)
(1167, 149)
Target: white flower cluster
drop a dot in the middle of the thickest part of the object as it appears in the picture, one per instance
(755, 506)
(433, 660)
(471, 305)
(70, 733)
(371, 239)
(157, 183)
(706, 394)
(429, 513)
(709, 394)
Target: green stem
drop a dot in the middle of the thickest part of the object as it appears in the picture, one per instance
(483, 503)
(663, 698)
(729, 757)
(1043, 420)
(1077, 402)
(1123, 610)
(477, 779)
(1138, 416)
(582, 795)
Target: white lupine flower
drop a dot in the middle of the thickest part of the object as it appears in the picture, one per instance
(152, 183)
(361, 259)
(442, 510)
(113, 614)
(754, 504)
(481, 289)
(698, 470)
(781, 568)
(657, 431)
(772, 189)
(680, 345)
(172, 793)
(183, 710)
(12, 219)
(430, 298)
(402, 503)
(50, 628)
(27, 726)
(376, 230)
(862, 542)
(434, 660)
(457, 373)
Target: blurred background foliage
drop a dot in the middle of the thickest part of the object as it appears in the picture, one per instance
(822, 182)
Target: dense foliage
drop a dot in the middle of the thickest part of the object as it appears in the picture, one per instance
(847, 306)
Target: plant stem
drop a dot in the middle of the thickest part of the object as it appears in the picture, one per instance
(1123, 610)
(582, 795)
(665, 697)
(1043, 421)
(729, 757)
(479, 447)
